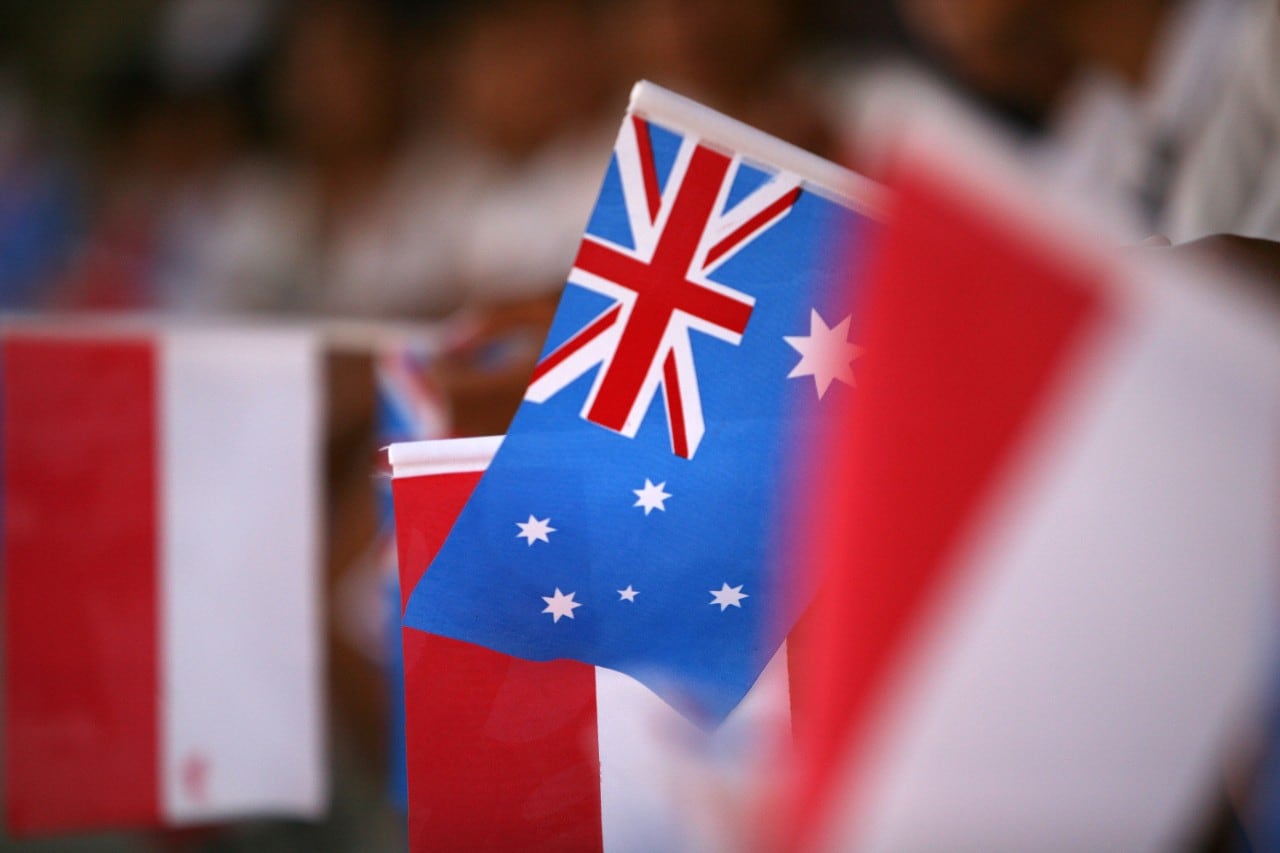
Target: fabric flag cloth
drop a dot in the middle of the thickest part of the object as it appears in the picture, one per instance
(161, 565)
(409, 408)
(1050, 533)
(633, 513)
(506, 753)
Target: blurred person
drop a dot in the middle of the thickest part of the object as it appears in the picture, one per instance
(169, 144)
(1230, 182)
(1122, 90)
(333, 222)
(157, 149)
(362, 214)
(1013, 52)
(737, 56)
(334, 216)
(522, 132)
(522, 143)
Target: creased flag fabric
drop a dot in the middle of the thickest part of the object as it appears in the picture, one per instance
(161, 640)
(1050, 534)
(631, 517)
(506, 753)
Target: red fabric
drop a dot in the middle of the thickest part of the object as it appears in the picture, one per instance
(967, 324)
(80, 563)
(425, 509)
(502, 753)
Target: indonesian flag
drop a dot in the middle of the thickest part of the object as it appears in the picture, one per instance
(1050, 528)
(510, 754)
(161, 640)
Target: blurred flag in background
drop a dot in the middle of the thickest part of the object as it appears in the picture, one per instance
(409, 408)
(161, 565)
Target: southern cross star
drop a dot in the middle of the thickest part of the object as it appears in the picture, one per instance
(560, 605)
(628, 594)
(651, 497)
(535, 530)
(727, 596)
(825, 353)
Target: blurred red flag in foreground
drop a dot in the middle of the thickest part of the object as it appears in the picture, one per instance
(1047, 525)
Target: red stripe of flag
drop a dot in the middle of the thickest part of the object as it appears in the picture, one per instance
(675, 407)
(648, 168)
(80, 558)
(502, 753)
(593, 330)
(752, 225)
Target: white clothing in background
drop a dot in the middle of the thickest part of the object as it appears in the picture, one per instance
(1231, 180)
(1122, 147)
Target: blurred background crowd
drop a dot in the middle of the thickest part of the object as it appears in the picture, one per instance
(412, 160)
(404, 158)
(372, 159)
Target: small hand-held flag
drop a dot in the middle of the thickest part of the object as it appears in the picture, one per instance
(505, 753)
(1049, 528)
(632, 517)
(162, 654)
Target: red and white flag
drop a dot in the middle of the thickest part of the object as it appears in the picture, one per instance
(1051, 530)
(161, 566)
(505, 753)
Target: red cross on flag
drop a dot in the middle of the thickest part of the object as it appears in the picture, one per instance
(682, 233)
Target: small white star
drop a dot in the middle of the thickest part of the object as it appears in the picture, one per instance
(534, 530)
(825, 353)
(651, 497)
(560, 605)
(628, 594)
(727, 596)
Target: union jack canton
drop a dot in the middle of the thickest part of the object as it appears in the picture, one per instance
(646, 532)
(661, 285)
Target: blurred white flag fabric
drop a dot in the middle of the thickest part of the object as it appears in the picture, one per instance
(162, 639)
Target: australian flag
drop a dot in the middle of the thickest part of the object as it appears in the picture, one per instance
(634, 515)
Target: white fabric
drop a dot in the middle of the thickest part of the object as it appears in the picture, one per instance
(1107, 140)
(1231, 181)
(517, 225)
(241, 665)
(667, 785)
